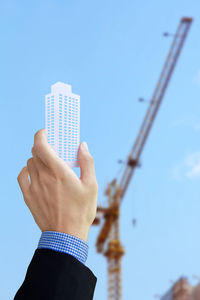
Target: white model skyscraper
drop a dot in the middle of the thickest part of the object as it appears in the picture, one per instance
(62, 122)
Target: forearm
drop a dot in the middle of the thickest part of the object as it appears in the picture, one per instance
(58, 275)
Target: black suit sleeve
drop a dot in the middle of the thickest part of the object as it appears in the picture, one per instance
(53, 275)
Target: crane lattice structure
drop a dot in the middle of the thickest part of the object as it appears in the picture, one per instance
(108, 241)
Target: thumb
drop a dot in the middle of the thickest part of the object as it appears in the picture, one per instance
(86, 163)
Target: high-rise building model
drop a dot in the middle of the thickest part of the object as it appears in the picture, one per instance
(62, 122)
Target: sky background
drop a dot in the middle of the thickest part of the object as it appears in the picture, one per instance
(112, 53)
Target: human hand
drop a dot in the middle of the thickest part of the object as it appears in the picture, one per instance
(56, 197)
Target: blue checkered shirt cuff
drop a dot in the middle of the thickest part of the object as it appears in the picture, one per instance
(64, 242)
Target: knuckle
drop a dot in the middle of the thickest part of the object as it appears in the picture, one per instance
(38, 139)
(33, 150)
(93, 185)
(96, 185)
(36, 135)
(33, 188)
(27, 200)
(42, 178)
(29, 162)
(20, 174)
(90, 159)
(47, 179)
(37, 146)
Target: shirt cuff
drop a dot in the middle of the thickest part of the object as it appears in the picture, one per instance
(64, 242)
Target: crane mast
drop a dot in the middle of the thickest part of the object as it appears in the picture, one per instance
(108, 241)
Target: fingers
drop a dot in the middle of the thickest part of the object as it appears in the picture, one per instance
(86, 163)
(24, 182)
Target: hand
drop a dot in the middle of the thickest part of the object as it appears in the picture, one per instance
(56, 197)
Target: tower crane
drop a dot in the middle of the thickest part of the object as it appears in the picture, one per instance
(108, 241)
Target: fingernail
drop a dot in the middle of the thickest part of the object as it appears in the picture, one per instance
(84, 146)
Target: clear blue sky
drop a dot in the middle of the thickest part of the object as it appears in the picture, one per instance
(111, 52)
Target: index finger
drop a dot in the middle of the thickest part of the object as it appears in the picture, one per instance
(45, 151)
(49, 156)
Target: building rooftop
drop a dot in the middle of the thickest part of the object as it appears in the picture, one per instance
(61, 87)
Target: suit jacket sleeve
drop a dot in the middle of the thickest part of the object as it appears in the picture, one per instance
(53, 275)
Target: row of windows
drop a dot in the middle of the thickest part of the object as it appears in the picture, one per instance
(70, 111)
(61, 120)
(53, 111)
(61, 96)
(67, 124)
(74, 100)
(70, 131)
(67, 150)
(67, 104)
(70, 123)
(69, 100)
(64, 129)
(69, 147)
(68, 107)
(73, 149)
(72, 142)
(70, 153)
(60, 114)
(65, 112)
(66, 101)
(63, 104)
(64, 122)
(71, 116)
(73, 136)
(65, 109)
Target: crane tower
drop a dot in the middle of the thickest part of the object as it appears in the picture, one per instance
(108, 241)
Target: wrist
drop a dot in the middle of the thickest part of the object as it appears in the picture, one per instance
(81, 234)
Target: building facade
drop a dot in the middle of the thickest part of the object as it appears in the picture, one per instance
(182, 290)
(62, 122)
